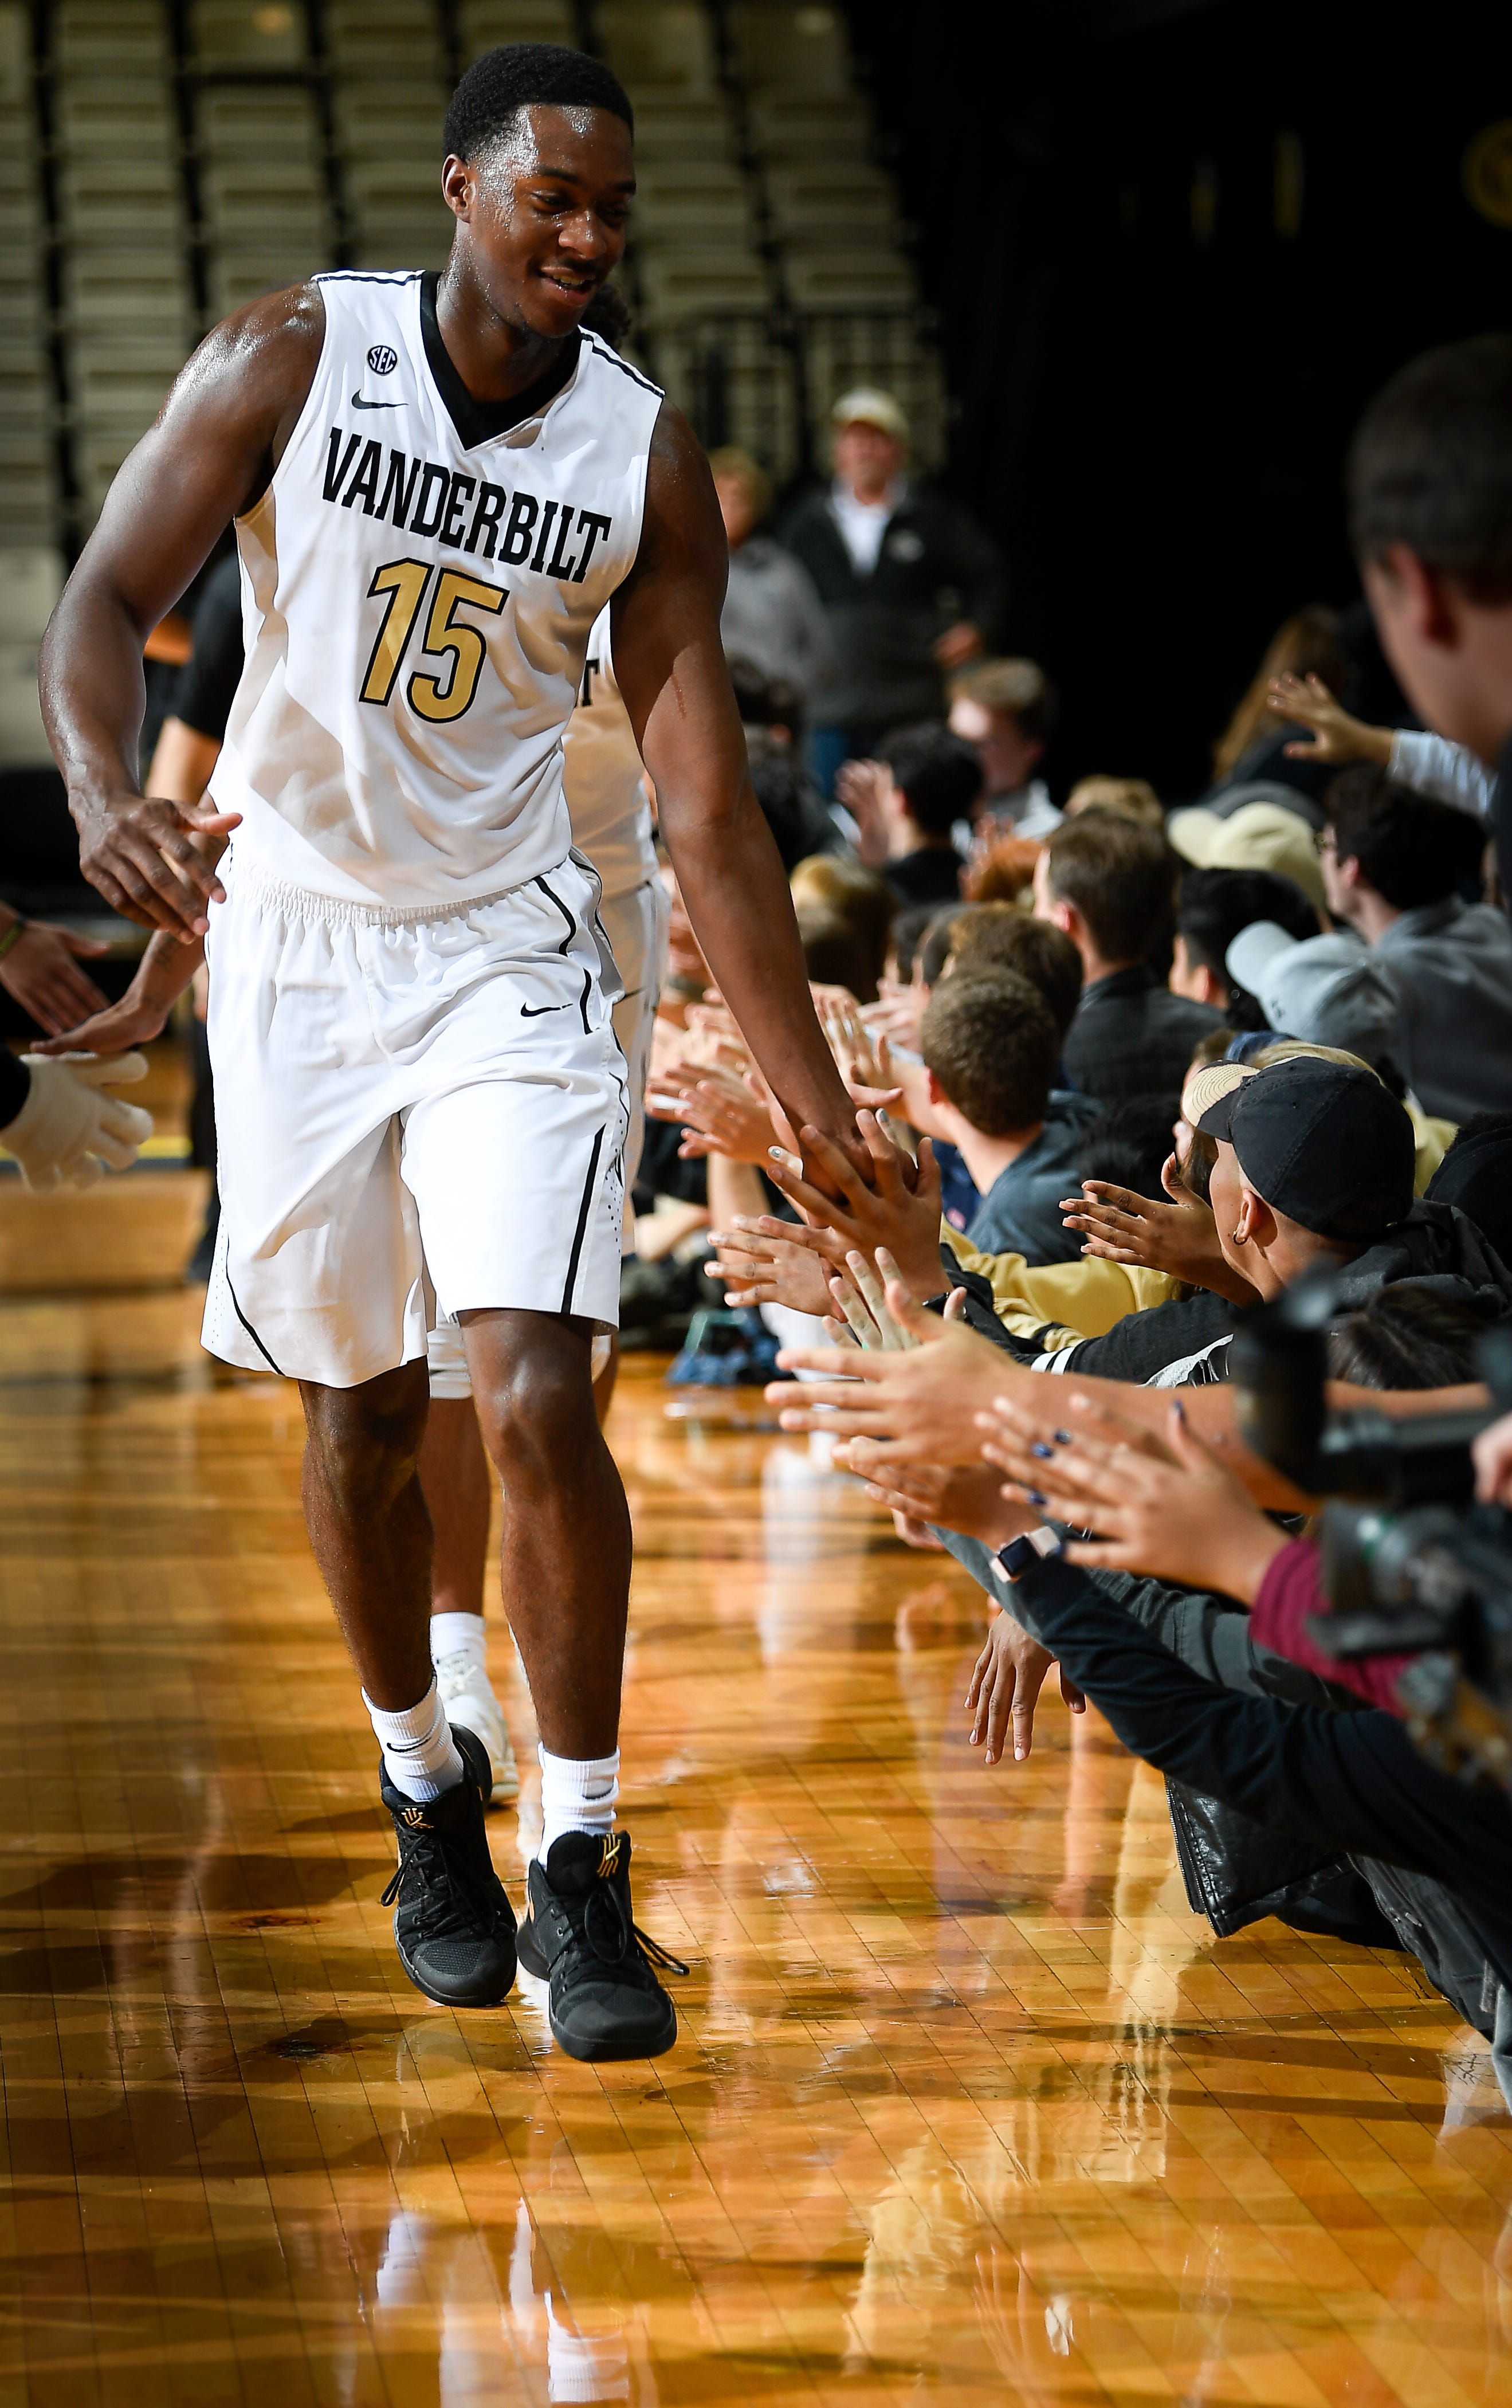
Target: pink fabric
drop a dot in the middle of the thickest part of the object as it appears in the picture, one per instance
(1291, 1589)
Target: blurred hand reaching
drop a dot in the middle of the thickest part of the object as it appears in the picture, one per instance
(1336, 736)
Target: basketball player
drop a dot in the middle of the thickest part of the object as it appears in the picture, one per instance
(609, 815)
(438, 486)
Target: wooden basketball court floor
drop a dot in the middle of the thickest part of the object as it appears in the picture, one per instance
(967, 2103)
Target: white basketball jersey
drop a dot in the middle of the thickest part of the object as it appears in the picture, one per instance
(606, 784)
(419, 583)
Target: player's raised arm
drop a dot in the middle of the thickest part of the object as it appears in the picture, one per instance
(670, 664)
(208, 456)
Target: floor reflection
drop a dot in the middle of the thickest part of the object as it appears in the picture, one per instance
(968, 2103)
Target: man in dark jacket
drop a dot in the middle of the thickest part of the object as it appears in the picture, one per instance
(912, 587)
(1111, 886)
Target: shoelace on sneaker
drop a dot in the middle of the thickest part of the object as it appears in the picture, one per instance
(444, 1881)
(623, 1934)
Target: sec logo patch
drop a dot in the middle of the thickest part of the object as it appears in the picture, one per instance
(382, 360)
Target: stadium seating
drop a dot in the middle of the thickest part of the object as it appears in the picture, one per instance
(128, 316)
(28, 499)
(264, 211)
(164, 161)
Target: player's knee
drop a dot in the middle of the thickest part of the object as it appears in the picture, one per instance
(366, 1440)
(539, 1404)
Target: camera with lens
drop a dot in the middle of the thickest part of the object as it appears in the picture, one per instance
(1411, 1564)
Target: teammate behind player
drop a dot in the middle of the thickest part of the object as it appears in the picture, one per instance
(438, 486)
(611, 825)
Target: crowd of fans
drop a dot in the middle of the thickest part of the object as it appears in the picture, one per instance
(1126, 1075)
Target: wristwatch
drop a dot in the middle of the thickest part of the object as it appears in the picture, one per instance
(1011, 1562)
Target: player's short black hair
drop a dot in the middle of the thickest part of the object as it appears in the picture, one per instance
(521, 74)
(1431, 466)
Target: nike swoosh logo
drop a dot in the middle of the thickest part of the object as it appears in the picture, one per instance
(535, 1011)
(358, 403)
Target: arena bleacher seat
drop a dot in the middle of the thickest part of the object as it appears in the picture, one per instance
(204, 152)
(28, 496)
(127, 315)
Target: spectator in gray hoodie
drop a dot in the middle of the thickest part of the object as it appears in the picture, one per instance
(1394, 867)
(773, 617)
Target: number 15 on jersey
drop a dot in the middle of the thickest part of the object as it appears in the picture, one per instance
(402, 583)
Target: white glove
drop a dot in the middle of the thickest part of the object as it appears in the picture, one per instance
(68, 1128)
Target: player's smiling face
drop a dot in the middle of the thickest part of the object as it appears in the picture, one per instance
(545, 209)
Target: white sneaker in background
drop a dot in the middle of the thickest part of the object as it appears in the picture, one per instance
(468, 1695)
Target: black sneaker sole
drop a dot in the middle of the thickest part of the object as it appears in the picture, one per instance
(600, 2050)
(493, 1994)
(608, 2050)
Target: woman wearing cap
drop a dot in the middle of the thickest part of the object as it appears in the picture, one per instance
(772, 616)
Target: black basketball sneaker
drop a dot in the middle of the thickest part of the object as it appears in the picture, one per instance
(453, 1924)
(580, 1935)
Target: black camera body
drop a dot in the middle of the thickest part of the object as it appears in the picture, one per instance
(1411, 1564)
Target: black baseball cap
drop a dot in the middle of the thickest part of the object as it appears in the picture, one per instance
(1323, 1142)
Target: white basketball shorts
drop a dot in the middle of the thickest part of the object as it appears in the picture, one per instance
(412, 1110)
(636, 927)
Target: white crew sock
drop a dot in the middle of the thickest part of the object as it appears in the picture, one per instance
(577, 1794)
(460, 1634)
(418, 1750)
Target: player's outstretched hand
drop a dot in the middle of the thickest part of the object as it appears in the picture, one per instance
(1006, 1684)
(147, 859)
(40, 968)
(898, 1207)
(71, 1127)
(164, 971)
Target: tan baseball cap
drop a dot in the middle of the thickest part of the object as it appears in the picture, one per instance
(1257, 836)
(866, 404)
(1207, 1086)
